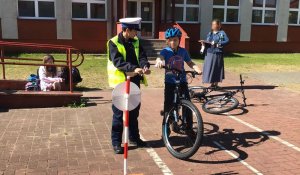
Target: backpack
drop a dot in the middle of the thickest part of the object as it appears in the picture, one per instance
(75, 75)
(33, 83)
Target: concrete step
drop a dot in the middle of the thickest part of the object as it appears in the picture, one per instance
(150, 50)
(152, 54)
(153, 40)
(152, 58)
(153, 47)
(155, 43)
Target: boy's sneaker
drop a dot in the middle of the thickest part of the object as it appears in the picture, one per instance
(138, 143)
(118, 149)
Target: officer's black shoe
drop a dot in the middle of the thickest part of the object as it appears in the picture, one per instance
(138, 143)
(118, 149)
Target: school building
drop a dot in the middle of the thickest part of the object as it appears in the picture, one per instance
(252, 25)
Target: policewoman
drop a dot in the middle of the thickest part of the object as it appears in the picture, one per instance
(126, 56)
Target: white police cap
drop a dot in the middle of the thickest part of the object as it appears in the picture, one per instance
(136, 20)
(132, 23)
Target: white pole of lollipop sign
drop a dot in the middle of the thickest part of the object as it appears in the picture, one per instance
(126, 97)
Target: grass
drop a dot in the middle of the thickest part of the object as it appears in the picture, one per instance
(93, 70)
(248, 63)
(259, 63)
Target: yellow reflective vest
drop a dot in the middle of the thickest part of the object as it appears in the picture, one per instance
(116, 76)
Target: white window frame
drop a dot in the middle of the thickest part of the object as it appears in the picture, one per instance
(138, 12)
(36, 10)
(264, 9)
(296, 10)
(89, 2)
(185, 6)
(226, 7)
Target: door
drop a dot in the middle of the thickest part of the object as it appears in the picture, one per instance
(145, 10)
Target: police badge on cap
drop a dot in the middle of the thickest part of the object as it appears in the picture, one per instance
(131, 23)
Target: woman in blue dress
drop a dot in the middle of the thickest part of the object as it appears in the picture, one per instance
(213, 69)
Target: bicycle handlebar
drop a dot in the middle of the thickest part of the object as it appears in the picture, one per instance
(194, 73)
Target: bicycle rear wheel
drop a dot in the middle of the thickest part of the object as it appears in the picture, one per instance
(218, 105)
(184, 136)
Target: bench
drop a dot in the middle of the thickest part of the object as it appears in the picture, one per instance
(13, 99)
(12, 84)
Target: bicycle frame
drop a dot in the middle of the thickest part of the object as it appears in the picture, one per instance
(200, 96)
(178, 95)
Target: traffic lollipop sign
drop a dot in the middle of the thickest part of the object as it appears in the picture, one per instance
(126, 97)
(120, 97)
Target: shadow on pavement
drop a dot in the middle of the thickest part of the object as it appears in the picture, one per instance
(4, 110)
(94, 101)
(226, 173)
(229, 139)
(249, 87)
(86, 89)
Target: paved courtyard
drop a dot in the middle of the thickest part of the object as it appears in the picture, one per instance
(261, 139)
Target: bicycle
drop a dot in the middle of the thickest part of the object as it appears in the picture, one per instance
(218, 103)
(182, 128)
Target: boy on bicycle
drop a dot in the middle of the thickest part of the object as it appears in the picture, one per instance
(173, 56)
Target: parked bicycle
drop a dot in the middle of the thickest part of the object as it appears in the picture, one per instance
(217, 100)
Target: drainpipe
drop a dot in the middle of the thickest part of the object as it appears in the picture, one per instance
(125, 2)
(173, 11)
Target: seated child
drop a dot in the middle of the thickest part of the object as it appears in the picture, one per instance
(49, 80)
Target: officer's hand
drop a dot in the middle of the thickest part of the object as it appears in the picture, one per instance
(146, 70)
(138, 71)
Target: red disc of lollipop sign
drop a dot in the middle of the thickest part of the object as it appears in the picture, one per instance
(126, 97)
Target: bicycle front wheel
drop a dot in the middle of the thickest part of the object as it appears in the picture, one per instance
(182, 130)
(220, 105)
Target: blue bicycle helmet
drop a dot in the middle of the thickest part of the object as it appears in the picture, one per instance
(173, 32)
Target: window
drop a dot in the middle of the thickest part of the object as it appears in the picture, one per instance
(264, 11)
(187, 10)
(36, 8)
(294, 17)
(226, 10)
(89, 9)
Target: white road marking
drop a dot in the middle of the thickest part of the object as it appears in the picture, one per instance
(240, 160)
(161, 165)
(265, 133)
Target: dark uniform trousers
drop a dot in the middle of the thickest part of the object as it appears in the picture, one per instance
(117, 124)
